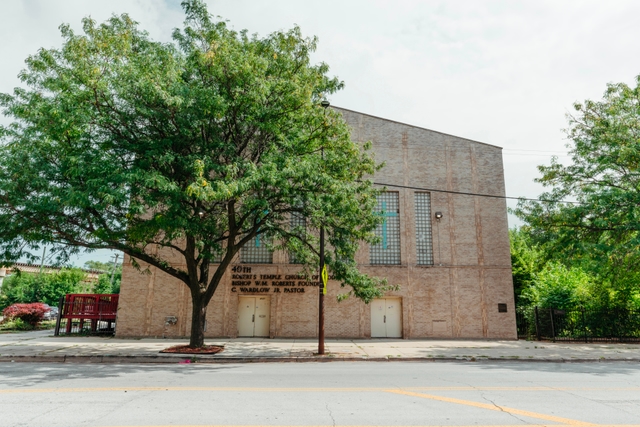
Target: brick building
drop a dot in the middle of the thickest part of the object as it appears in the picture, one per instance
(444, 241)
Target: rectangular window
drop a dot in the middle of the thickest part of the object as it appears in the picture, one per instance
(388, 250)
(256, 252)
(424, 240)
(298, 226)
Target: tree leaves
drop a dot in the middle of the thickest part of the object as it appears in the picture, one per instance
(604, 180)
(196, 146)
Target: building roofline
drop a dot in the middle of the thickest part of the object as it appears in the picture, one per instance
(414, 126)
(52, 267)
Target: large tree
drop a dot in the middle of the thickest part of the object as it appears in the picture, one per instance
(197, 146)
(601, 228)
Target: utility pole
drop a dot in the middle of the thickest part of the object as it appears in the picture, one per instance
(44, 251)
(322, 272)
(322, 292)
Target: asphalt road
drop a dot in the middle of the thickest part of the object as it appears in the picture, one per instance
(320, 394)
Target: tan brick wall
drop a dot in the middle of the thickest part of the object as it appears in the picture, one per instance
(457, 297)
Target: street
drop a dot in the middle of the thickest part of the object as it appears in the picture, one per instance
(320, 394)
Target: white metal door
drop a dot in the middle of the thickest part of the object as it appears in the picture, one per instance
(263, 308)
(253, 316)
(246, 316)
(386, 318)
(393, 318)
(378, 327)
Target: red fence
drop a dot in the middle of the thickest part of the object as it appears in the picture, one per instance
(98, 310)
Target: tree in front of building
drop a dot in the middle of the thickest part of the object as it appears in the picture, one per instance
(600, 232)
(195, 147)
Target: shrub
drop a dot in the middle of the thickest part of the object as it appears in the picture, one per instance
(29, 313)
(15, 325)
(556, 286)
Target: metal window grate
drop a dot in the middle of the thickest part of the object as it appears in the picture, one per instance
(298, 225)
(256, 252)
(388, 250)
(424, 236)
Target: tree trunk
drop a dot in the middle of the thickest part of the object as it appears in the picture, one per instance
(198, 319)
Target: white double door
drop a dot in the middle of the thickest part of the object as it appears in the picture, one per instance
(386, 318)
(253, 316)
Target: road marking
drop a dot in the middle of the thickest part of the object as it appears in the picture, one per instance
(306, 389)
(512, 411)
(491, 425)
(405, 391)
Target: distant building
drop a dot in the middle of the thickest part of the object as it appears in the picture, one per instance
(444, 240)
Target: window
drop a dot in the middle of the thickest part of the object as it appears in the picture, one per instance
(298, 225)
(388, 250)
(424, 241)
(256, 252)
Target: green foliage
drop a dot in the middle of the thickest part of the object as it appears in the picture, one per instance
(526, 260)
(98, 265)
(15, 325)
(601, 231)
(557, 286)
(46, 287)
(104, 285)
(197, 146)
(545, 278)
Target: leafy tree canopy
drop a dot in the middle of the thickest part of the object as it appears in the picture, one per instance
(545, 278)
(98, 265)
(46, 287)
(197, 146)
(526, 260)
(601, 229)
(110, 278)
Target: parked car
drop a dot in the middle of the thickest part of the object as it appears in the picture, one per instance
(52, 313)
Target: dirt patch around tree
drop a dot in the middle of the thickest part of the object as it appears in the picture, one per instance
(185, 349)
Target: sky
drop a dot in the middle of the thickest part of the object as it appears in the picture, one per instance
(506, 73)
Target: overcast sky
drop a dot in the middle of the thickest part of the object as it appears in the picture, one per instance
(501, 72)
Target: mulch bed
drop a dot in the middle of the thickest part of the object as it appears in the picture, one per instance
(185, 349)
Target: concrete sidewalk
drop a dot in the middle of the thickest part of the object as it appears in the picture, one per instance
(42, 346)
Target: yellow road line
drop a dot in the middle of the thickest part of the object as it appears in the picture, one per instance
(512, 411)
(305, 389)
(492, 425)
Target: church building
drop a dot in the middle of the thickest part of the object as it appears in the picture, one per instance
(444, 240)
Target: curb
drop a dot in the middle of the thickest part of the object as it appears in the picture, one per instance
(182, 359)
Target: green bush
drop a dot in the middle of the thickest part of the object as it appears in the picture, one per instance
(104, 284)
(15, 325)
(47, 287)
(557, 286)
(19, 325)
